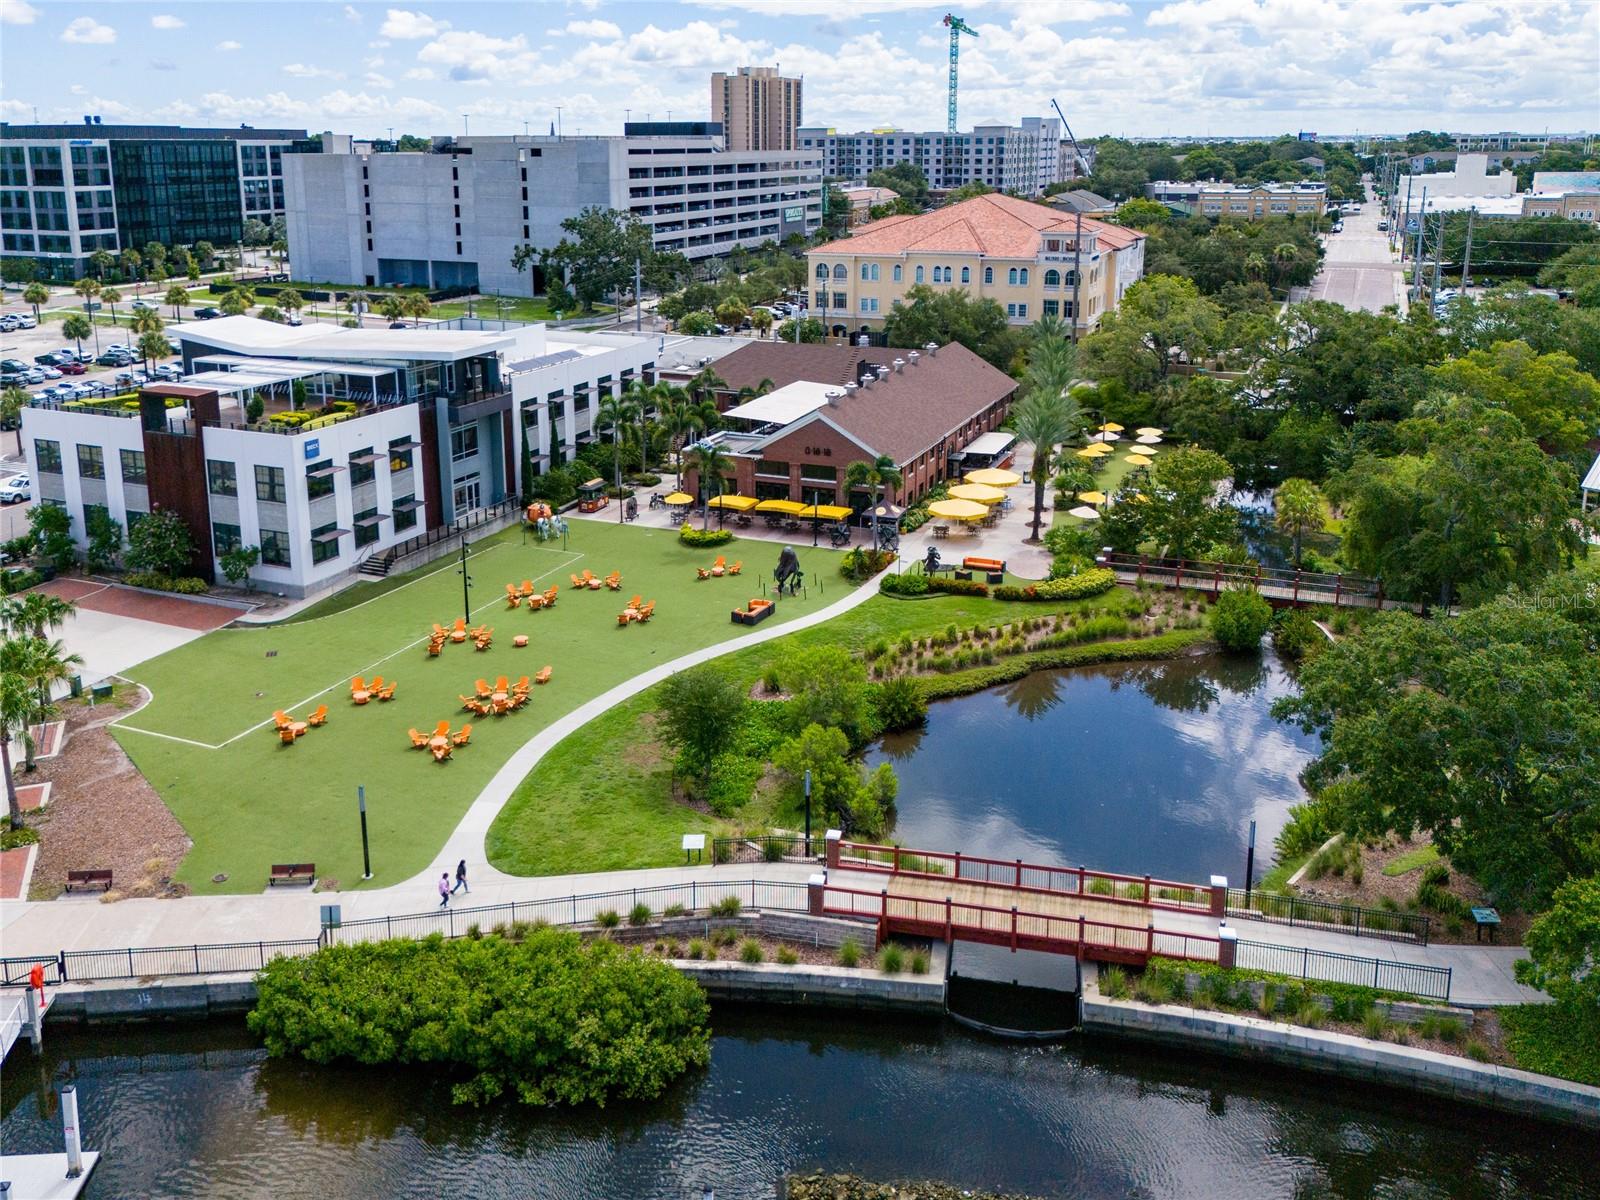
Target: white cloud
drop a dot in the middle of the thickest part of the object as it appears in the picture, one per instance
(166, 21)
(471, 57)
(421, 74)
(302, 71)
(78, 89)
(16, 12)
(229, 45)
(409, 26)
(372, 62)
(377, 80)
(352, 13)
(591, 29)
(86, 31)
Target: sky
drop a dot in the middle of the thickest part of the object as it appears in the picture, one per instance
(1124, 67)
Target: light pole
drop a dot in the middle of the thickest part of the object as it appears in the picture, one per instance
(366, 856)
(808, 812)
(466, 581)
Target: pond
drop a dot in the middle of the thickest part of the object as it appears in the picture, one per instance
(201, 1112)
(1142, 768)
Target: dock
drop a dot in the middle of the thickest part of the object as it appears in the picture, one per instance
(43, 1176)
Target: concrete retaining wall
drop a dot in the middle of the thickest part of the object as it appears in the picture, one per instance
(1505, 1088)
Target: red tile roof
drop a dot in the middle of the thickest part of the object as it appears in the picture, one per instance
(994, 225)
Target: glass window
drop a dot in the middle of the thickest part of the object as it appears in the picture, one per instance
(362, 472)
(47, 455)
(91, 462)
(224, 538)
(463, 443)
(898, 273)
(1052, 278)
(1024, 274)
(1011, 277)
(966, 274)
(822, 270)
(319, 480)
(365, 528)
(988, 274)
(275, 547)
(400, 455)
(269, 485)
(324, 551)
(405, 515)
(133, 466)
(919, 274)
(1052, 308)
(839, 272)
(222, 478)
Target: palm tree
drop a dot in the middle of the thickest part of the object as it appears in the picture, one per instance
(643, 399)
(416, 306)
(34, 614)
(177, 296)
(616, 413)
(77, 326)
(1255, 265)
(102, 261)
(748, 393)
(392, 308)
(16, 708)
(152, 344)
(712, 463)
(882, 472)
(36, 294)
(39, 663)
(761, 321)
(1299, 511)
(1044, 419)
(111, 297)
(1284, 255)
(706, 382)
(12, 401)
(290, 300)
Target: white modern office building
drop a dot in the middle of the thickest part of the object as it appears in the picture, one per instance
(453, 217)
(1023, 158)
(366, 439)
(67, 191)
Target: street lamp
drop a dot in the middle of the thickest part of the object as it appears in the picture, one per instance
(808, 812)
(366, 857)
(466, 581)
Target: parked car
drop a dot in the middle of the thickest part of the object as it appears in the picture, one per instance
(398, 325)
(113, 358)
(130, 378)
(143, 306)
(1383, 227)
(72, 368)
(24, 321)
(12, 365)
(205, 314)
(51, 372)
(92, 387)
(16, 489)
(10, 378)
(34, 375)
(292, 319)
(166, 371)
(45, 360)
(8, 323)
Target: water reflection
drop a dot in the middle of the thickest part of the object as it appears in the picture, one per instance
(784, 1092)
(1145, 767)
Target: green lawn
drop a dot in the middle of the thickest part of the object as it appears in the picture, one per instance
(1107, 479)
(206, 740)
(524, 309)
(601, 801)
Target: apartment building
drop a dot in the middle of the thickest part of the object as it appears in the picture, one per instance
(67, 191)
(410, 430)
(1023, 158)
(453, 217)
(757, 108)
(1249, 202)
(1031, 259)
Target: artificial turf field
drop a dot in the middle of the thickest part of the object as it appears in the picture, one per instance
(206, 741)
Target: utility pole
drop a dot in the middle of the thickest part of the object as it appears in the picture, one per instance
(1077, 273)
(1466, 256)
(638, 301)
(1438, 257)
(1416, 257)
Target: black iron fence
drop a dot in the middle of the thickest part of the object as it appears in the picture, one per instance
(87, 966)
(1345, 918)
(770, 847)
(1432, 983)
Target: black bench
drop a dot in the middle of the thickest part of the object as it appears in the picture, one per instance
(99, 877)
(291, 872)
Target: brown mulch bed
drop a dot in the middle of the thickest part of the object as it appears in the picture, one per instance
(102, 812)
(1375, 887)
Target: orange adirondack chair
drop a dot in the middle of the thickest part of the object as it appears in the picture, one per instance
(388, 690)
(576, 582)
(358, 685)
(512, 597)
(376, 685)
(521, 685)
(543, 676)
(434, 649)
(527, 587)
(458, 631)
(550, 594)
(441, 752)
(625, 617)
(502, 683)
(286, 737)
(701, 573)
(319, 717)
(418, 741)
(463, 736)
(636, 601)
(646, 612)
(736, 568)
(442, 729)
(614, 581)
(518, 699)
(281, 719)
(720, 567)
(481, 686)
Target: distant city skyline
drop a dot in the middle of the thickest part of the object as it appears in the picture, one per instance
(1167, 67)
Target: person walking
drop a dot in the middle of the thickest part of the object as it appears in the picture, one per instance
(461, 878)
(444, 889)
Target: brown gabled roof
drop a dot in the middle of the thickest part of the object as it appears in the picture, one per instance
(994, 225)
(785, 363)
(909, 411)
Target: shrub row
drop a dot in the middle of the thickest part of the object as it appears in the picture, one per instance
(1074, 587)
(957, 587)
(702, 538)
(18, 580)
(1168, 645)
(188, 585)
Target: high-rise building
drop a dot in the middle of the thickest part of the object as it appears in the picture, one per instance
(757, 108)
(67, 191)
(1023, 158)
(451, 217)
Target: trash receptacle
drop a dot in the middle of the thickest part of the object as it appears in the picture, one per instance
(76, 684)
(102, 691)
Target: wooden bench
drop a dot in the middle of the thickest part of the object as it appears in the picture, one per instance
(291, 872)
(100, 877)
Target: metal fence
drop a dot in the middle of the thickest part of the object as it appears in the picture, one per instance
(772, 847)
(1346, 918)
(1386, 975)
(85, 966)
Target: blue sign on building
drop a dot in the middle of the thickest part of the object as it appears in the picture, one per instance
(313, 445)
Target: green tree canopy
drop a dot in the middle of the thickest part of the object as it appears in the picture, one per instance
(160, 543)
(906, 178)
(1185, 514)
(1558, 404)
(700, 713)
(1160, 317)
(925, 315)
(598, 253)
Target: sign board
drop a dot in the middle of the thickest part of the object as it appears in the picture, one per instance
(313, 446)
(796, 213)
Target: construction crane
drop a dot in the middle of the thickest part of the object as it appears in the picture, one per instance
(1079, 161)
(957, 27)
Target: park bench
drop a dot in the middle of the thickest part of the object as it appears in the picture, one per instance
(99, 877)
(994, 569)
(753, 613)
(291, 872)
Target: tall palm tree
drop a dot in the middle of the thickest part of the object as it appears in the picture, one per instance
(1284, 255)
(16, 708)
(678, 419)
(704, 383)
(644, 399)
(616, 413)
(882, 472)
(1044, 420)
(77, 327)
(177, 296)
(110, 297)
(747, 392)
(1298, 511)
(34, 614)
(40, 663)
(36, 294)
(712, 463)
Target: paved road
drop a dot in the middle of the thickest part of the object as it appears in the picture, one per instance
(1358, 271)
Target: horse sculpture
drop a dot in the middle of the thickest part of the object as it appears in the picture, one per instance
(789, 573)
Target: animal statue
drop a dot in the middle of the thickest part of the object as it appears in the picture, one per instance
(788, 573)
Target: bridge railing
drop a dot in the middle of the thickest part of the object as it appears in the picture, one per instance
(1142, 891)
(1204, 575)
(1384, 974)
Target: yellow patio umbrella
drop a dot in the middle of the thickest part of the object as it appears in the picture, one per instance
(978, 492)
(994, 477)
(1149, 431)
(734, 503)
(824, 512)
(1089, 452)
(789, 508)
(1147, 446)
(959, 510)
(679, 498)
(1138, 460)
(1111, 427)
(1084, 513)
(1093, 497)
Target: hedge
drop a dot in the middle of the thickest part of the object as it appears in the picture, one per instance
(961, 683)
(957, 587)
(189, 585)
(690, 536)
(18, 580)
(1073, 587)
(911, 584)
